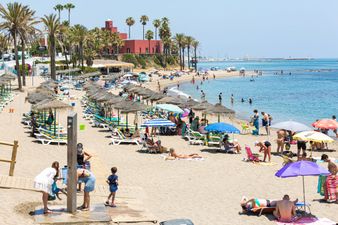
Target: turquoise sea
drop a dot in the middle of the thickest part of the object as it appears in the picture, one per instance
(309, 93)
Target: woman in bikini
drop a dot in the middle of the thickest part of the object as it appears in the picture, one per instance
(173, 155)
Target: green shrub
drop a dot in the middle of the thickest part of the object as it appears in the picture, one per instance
(130, 58)
(141, 61)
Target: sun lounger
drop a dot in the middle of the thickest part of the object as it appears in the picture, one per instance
(262, 210)
(195, 137)
(46, 139)
(121, 139)
(214, 141)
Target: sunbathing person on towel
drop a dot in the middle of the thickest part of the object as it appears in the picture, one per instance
(173, 155)
(285, 209)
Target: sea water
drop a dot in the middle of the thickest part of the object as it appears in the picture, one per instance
(309, 93)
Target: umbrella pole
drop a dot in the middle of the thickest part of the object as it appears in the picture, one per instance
(219, 117)
(118, 117)
(54, 122)
(127, 120)
(304, 194)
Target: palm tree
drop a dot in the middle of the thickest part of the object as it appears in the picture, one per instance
(157, 24)
(130, 22)
(165, 35)
(26, 32)
(149, 37)
(53, 27)
(79, 35)
(184, 45)
(143, 20)
(189, 41)
(179, 39)
(12, 23)
(58, 8)
(69, 6)
(195, 45)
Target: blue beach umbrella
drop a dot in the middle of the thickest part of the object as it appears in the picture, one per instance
(158, 123)
(222, 128)
(301, 168)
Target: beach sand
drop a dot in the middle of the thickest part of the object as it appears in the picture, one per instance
(208, 192)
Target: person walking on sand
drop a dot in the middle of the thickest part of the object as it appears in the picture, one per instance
(44, 181)
(112, 181)
(220, 98)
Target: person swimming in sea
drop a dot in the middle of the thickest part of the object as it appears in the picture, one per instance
(250, 101)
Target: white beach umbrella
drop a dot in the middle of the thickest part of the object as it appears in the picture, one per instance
(292, 126)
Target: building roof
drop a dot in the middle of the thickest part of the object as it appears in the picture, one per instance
(99, 63)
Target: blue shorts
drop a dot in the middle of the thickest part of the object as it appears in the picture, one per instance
(89, 183)
(113, 188)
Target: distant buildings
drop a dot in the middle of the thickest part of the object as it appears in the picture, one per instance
(134, 46)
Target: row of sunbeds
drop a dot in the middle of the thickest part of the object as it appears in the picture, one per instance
(5, 98)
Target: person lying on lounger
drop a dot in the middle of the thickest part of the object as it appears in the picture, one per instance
(173, 155)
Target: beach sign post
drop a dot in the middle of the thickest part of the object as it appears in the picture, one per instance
(71, 162)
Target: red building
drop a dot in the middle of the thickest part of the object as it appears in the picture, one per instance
(135, 46)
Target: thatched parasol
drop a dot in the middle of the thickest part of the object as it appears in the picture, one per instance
(171, 100)
(36, 97)
(220, 109)
(188, 104)
(202, 106)
(8, 76)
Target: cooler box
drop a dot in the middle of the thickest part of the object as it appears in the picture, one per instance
(177, 222)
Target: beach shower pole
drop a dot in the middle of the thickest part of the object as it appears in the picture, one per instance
(71, 161)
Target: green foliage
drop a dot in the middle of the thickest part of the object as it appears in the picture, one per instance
(89, 69)
(141, 61)
(130, 58)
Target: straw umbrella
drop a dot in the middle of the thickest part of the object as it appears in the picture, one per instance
(190, 103)
(220, 109)
(53, 104)
(171, 100)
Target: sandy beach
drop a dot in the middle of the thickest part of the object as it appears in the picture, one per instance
(206, 191)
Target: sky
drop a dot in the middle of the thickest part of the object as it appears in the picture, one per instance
(225, 28)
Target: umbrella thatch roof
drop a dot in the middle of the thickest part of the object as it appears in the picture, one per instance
(88, 75)
(202, 106)
(219, 108)
(36, 97)
(171, 100)
(52, 104)
(154, 97)
(68, 71)
(115, 100)
(8, 76)
(133, 107)
(188, 104)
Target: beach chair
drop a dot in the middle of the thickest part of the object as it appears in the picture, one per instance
(47, 139)
(195, 137)
(250, 156)
(302, 206)
(214, 141)
(121, 139)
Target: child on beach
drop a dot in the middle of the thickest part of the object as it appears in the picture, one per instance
(112, 181)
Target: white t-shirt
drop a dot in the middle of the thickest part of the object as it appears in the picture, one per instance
(46, 176)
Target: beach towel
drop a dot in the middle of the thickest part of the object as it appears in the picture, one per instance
(266, 163)
(330, 188)
(321, 182)
(309, 221)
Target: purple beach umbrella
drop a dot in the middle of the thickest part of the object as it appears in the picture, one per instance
(301, 168)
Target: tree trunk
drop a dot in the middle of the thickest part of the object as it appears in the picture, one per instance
(183, 58)
(180, 54)
(81, 53)
(23, 70)
(149, 48)
(66, 58)
(129, 33)
(143, 32)
(195, 59)
(52, 58)
(59, 16)
(155, 33)
(189, 57)
(68, 17)
(17, 61)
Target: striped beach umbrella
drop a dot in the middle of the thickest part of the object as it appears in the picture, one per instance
(158, 123)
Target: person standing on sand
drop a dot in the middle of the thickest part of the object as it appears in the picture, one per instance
(44, 181)
(220, 98)
(178, 85)
(89, 179)
(255, 121)
(335, 130)
(265, 122)
(214, 76)
(281, 134)
(112, 181)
